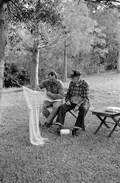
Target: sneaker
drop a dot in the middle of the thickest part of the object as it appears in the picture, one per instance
(48, 124)
(58, 129)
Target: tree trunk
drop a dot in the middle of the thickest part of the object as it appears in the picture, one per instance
(2, 49)
(34, 68)
(118, 62)
(76, 62)
(64, 75)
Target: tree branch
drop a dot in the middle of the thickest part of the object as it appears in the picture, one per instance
(26, 46)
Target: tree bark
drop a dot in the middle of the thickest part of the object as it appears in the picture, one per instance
(64, 75)
(118, 62)
(2, 49)
(76, 62)
(34, 68)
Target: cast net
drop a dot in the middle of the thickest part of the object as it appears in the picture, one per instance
(34, 101)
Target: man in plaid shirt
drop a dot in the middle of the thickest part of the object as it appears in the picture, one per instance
(76, 99)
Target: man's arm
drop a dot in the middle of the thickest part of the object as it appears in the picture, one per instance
(86, 98)
(60, 93)
(86, 91)
(43, 84)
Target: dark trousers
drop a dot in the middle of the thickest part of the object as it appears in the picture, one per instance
(63, 109)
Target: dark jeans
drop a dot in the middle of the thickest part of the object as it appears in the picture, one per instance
(63, 109)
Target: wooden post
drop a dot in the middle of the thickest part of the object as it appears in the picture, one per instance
(64, 75)
(118, 62)
(34, 67)
(2, 49)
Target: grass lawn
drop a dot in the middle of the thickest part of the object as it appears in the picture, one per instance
(87, 158)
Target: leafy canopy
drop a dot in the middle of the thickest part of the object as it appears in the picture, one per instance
(82, 30)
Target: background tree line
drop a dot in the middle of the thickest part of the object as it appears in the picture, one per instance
(42, 36)
(39, 28)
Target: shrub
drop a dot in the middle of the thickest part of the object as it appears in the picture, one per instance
(15, 76)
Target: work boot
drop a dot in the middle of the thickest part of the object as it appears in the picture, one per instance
(74, 132)
(58, 129)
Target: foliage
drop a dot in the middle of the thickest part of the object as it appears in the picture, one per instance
(103, 3)
(85, 33)
(32, 12)
(109, 19)
(28, 18)
(15, 76)
(79, 26)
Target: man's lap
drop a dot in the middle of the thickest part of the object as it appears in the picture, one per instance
(47, 104)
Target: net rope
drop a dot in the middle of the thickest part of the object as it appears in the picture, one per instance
(34, 100)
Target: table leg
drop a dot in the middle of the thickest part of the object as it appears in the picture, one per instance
(116, 124)
(102, 122)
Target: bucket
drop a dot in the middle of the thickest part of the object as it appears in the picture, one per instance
(65, 131)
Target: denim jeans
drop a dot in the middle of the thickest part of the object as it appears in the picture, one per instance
(63, 109)
(45, 110)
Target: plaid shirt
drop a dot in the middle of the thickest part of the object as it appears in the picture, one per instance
(54, 86)
(81, 90)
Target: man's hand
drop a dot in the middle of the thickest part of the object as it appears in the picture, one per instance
(68, 102)
(49, 94)
(76, 108)
(37, 88)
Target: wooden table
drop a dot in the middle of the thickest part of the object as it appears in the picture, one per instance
(102, 114)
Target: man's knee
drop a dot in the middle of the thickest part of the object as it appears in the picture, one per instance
(83, 112)
(57, 105)
(45, 111)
